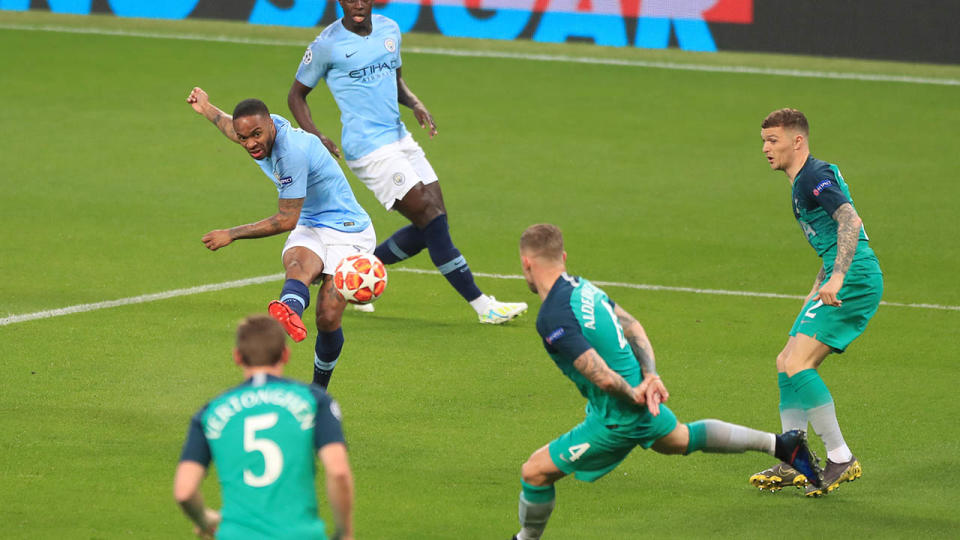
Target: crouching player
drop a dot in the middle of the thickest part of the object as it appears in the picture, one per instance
(607, 355)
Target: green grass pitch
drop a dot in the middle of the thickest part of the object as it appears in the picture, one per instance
(109, 180)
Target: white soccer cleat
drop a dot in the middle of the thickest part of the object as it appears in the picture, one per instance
(501, 312)
(366, 308)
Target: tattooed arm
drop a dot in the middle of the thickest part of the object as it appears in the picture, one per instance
(200, 102)
(652, 390)
(848, 235)
(284, 220)
(638, 340)
(592, 366)
(821, 275)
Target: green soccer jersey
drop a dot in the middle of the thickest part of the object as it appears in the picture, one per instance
(577, 316)
(818, 190)
(263, 436)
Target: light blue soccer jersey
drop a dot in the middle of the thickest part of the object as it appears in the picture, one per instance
(301, 167)
(361, 72)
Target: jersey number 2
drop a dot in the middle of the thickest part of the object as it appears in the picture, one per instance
(272, 456)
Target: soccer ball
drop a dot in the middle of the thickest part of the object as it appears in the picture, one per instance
(360, 278)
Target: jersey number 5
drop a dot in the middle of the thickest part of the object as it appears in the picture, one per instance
(272, 456)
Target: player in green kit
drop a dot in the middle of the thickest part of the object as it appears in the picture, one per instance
(607, 355)
(264, 436)
(845, 295)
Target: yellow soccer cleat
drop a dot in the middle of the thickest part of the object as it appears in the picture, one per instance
(775, 478)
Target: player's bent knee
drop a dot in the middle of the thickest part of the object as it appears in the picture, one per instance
(675, 442)
(532, 474)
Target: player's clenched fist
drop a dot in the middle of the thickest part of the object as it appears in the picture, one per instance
(198, 99)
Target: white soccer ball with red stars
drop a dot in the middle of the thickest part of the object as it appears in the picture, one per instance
(360, 278)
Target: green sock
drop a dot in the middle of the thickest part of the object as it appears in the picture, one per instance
(810, 389)
(792, 415)
(538, 494)
(536, 505)
(698, 437)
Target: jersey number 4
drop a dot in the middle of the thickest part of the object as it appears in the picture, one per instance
(272, 455)
(578, 450)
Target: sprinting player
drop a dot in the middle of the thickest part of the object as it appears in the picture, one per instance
(316, 204)
(264, 435)
(607, 355)
(845, 295)
(359, 57)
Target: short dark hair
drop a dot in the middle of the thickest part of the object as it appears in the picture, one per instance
(543, 240)
(251, 107)
(260, 341)
(788, 119)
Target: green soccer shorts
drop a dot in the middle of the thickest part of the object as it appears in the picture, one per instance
(591, 449)
(837, 327)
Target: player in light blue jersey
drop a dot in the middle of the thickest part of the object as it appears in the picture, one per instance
(845, 295)
(606, 353)
(265, 436)
(359, 58)
(316, 205)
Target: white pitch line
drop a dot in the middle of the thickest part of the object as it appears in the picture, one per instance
(142, 299)
(749, 70)
(80, 308)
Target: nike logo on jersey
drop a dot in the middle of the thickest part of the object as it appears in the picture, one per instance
(351, 54)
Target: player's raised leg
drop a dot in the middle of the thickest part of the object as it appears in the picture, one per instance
(537, 494)
(330, 306)
(302, 267)
(717, 436)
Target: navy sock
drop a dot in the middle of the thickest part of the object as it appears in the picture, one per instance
(296, 295)
(326, 353)
(404, 243)
(447, 258)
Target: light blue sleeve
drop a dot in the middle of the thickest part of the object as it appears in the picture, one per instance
(314, 65)
(294, 169)
(399, 44)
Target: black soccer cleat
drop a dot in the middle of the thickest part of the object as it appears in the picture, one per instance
(792, 449)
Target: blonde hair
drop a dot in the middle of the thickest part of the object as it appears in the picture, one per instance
(542, 240)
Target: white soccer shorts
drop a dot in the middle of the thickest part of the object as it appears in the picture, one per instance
(331, 245)
(393, 169)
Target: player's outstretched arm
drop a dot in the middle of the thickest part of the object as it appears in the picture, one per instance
(407, 98)
(186, 490)
(297, 101)
(339, 487)
(200, 102)
(284, 220)
(848, 235)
